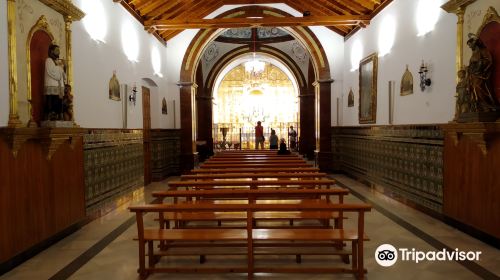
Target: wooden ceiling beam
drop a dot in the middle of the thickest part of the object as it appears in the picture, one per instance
(255, 22)
(366, 3)
(238, 2)
(151, 7)
(342, 31)
(164, 8)
(203, 12)
(353, 6)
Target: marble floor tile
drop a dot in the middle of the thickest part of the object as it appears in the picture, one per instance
(119, 259)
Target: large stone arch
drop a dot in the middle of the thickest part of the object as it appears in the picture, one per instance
(320, 90)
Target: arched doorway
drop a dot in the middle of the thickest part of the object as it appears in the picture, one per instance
(244, 96)
(317, 88)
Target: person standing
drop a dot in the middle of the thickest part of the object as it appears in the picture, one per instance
(55, 79)
(292, 135)
(273, 140)
(259, 136)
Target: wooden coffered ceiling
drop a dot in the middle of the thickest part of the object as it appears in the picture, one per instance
(167, 18)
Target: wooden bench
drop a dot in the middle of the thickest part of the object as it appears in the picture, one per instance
(255, 156)
(303, 175)
(250, 238)
(254, 161)
(173, 185)
(254, 165)
(255, 170)
(259, 196)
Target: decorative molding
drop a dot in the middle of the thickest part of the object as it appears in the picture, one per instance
(491, 16)
(12, 46)
(479, 133)
(50, 138)
(66, 8)
(453, 6)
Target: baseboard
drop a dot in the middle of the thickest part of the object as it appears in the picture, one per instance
(39, 247)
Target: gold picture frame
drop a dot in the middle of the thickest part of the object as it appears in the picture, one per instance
(368, 68)
(406, 83)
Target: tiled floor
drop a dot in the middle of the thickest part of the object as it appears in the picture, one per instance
(118, 259)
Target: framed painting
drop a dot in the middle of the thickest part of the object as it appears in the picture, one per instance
(368, 89)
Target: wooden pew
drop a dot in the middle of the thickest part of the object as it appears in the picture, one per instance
(250, 237)
(255, 170)
(254, 161)
(256, 165)
(256, 196)
(254, 176)
(252, 184)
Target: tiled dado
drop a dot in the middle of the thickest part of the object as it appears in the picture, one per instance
(403, 160)
(113, 166)
(165, 152)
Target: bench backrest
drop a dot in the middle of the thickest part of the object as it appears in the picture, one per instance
(255, 170)
(253, 175)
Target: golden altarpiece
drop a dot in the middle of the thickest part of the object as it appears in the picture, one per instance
(245, 97)
(32, 26)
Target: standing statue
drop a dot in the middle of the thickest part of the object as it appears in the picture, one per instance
(463, 98)
(478, 73)
(55, 80)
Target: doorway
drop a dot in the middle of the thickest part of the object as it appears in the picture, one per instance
(146, 134)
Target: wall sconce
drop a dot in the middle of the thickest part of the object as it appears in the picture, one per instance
(424, 81)
(133, 96)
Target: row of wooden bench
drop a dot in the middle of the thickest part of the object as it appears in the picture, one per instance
(252, 197)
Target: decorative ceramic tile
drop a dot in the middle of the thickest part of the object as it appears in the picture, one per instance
(407, 160)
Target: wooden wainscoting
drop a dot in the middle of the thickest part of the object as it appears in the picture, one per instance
(39, 197)
(472, 175)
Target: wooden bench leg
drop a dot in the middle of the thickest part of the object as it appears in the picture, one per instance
(298, 258)
(142, 261)
(354, 255)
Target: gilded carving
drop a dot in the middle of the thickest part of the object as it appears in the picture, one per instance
(66, 8)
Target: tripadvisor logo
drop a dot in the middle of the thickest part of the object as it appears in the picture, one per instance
(387, 255)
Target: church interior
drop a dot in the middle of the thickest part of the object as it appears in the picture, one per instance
(129, 147)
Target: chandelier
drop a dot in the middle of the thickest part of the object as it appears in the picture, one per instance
(254, 66)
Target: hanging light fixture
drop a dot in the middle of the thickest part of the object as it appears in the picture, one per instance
(254, 66)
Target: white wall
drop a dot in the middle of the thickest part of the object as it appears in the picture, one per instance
(333, 45)
(176, 49)
(434, 105)
(4, 66)
(94, 63)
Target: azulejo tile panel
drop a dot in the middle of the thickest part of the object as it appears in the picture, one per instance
(407, 160)
(165, 153)
(113, 165)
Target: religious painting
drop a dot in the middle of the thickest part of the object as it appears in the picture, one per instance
(407, 83)
(368, 89)
(164, 106)
(114, 88)
(350, 99)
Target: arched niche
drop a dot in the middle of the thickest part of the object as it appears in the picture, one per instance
(488, 33)
(189, 75)
(39, 39)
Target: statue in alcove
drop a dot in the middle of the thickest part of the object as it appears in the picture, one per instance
(54, 87)
(479, 73)
(475, 100)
